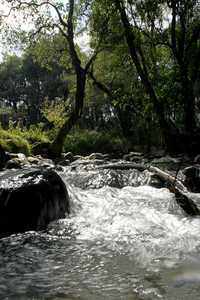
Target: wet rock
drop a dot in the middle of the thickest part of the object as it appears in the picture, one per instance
(59, 168)
(4, 157)
(197, 159)
(30, 199)
(41, 148)
(166, 159)
(77, 157)
(13, 164)
(156, 182)
(16, 155)
(64, 162)
(89, 177)
(155, 153)
(133, 156)
(67, 156)
(98, 156)
(192, 178)
(33, 160)
(17, 161)
(46, 163)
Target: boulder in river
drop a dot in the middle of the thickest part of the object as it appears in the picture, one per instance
(30, 199)
(192, 178)
(4, 157)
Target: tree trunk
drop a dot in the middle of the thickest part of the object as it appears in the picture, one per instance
(143, 73)
(189, 106)
(57, 145)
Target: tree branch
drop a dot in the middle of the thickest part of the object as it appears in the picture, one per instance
(37, 5)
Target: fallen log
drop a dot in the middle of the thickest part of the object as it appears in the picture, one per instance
(174, 185)
(166, 177)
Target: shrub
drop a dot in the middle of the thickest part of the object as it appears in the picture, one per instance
(35, 134)
(55, 111)
(86, 142)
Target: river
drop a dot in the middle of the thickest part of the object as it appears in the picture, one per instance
(128, 243)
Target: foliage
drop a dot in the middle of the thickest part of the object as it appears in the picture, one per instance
(35, 134)
(145, 75)
(13, 142)
(86, 142)
(24, 83)
(54, 111)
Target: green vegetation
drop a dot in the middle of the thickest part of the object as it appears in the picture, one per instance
(85, 142)
(138, 78)
(14, 142)
(82, 142)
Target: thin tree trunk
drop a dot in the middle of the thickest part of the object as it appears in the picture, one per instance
(57, 145)
(142, 71)
(188, 105)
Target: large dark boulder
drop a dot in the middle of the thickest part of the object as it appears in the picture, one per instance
(4, 157)
(30, 199)
(192, 178)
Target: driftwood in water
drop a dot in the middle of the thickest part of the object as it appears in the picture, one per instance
(192, 178)
(172, 183)
(180, 191)
(167, 178)
(185, 202)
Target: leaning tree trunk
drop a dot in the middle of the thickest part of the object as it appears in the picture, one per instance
(57, 145)
(141, 67)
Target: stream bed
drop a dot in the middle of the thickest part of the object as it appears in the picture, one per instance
(127, 243)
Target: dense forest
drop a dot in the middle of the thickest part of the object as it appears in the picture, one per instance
(134, 86)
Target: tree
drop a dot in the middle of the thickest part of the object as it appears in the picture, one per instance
(147, 36)
(65, 23)
(11, 81)
(42, 81)
(24, 83)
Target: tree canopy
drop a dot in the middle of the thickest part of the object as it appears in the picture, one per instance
(141, 69)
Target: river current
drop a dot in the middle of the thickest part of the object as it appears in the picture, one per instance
(127, 243)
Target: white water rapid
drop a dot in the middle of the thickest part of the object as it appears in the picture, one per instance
(129, 243)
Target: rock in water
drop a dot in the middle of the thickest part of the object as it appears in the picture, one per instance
(192, 178)
(4, 157)
(30, 199)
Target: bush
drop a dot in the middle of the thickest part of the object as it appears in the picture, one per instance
(35, 134)
(14, 143)
(55, 111)
(86, 142)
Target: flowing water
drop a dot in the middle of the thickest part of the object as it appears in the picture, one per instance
(129, 243)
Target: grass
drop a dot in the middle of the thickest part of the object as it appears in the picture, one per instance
(82, 142)
(14, 143)
(20, 140)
